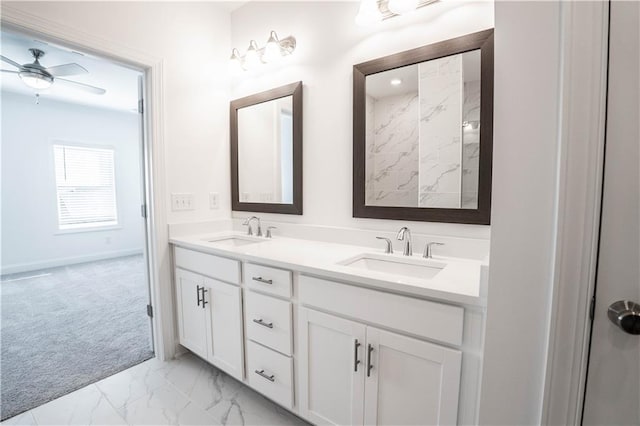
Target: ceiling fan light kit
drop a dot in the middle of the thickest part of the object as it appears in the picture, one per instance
(39, 77)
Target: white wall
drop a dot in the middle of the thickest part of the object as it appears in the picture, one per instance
(329, 43)
(30, 236)
(192, 39)
(523, 219)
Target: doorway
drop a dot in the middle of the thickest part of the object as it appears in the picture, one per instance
(612, 393)
(74, 284)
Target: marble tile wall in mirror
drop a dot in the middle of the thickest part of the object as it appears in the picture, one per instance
(423, 132)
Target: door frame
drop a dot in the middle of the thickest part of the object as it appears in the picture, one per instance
(157, 237)
(585, 34)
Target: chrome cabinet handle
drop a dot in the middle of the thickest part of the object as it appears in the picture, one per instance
(262, 323)
(262, 280)
(204, 302)
(369, 365)
(270, 378)
(198, 288)
(356, 361)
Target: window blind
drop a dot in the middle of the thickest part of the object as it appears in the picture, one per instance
(85, 185)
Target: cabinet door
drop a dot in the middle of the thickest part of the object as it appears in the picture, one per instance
(224, 327)
(331, 368)
(191, 313)
(410, 382)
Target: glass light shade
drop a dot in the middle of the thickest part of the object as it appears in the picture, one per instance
(235, 63)
(400, 7)
(36, 81)
(368, 14)
(252, 57)
(272, 50)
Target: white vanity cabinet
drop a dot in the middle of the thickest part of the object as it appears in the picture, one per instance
(269, 324)
(332, 352)
(354, 373)
(192, 318)
(331, 368)
(209, 313)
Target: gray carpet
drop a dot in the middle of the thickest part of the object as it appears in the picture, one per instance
(69, 327)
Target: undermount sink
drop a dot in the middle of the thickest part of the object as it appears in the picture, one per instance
(234, 241)
(409, 267)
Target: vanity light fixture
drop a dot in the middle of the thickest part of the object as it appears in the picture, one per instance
(373, 11)
(252, 58)
(396, 82)
(400, 7)
(369, 13)
(256, 56)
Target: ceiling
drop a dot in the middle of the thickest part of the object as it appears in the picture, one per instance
(120, 83)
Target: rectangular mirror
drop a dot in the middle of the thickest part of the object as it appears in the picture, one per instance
(422, 133)
(266, 151)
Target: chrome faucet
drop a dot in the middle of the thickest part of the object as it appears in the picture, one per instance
(404, 234)
(247, 223)
(389, 248)
(428, 250)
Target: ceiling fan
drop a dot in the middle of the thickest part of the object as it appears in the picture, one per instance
(38, 77)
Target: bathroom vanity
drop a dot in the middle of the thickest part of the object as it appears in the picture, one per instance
(336, 333)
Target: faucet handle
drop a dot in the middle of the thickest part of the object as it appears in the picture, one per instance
(269, 228)
(389, 249)
(428, 249)
(247, 223)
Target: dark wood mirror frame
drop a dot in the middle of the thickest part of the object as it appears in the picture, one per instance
(295, 90)
(482, 40)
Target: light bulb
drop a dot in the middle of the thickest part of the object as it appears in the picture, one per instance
(252, 57)
(35, 80)
(400, 7)
(272, 50)
(368, 14)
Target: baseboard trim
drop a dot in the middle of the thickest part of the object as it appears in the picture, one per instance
(63, 261)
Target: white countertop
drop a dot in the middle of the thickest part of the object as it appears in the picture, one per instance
(458, 282)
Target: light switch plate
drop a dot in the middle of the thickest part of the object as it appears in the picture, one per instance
(214, 200)
(181, 202)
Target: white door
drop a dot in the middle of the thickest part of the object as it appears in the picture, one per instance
(224, 327)
(192, 321)
(331, 367)
(613, 381)
(410, 382)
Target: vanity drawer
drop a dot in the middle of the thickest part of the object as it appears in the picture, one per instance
(270, 373)
(432, 320)
(268, 280)
(212, 266)
(268, 321)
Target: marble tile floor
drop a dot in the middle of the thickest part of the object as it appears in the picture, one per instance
(184, 391)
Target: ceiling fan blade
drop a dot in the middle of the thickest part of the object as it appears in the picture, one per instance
(82, 86)
(9, 61)
(66, 69)
(11, 72)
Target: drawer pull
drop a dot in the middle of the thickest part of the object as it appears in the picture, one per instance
(262, 280)
(369, 365)
(356, 361)
(270, 378)
(262, 323)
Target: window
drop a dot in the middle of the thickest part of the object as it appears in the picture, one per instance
(85, 186)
